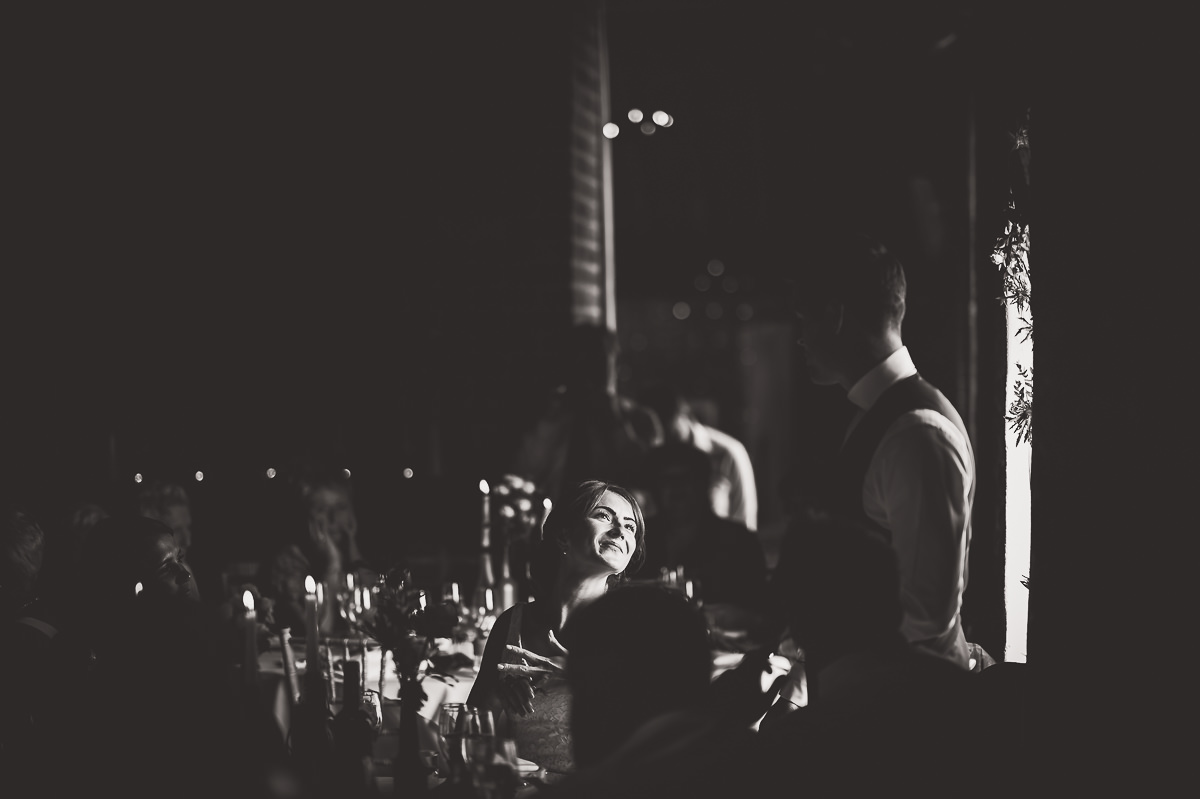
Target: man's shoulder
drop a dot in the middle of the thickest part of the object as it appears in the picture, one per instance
(725, 444)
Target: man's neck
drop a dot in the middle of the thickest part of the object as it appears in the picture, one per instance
(870, 353)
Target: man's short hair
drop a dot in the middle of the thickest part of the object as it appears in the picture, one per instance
(856, 270)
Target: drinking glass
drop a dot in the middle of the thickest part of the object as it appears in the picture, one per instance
(493, 766)
(452, 726)
(479, 732)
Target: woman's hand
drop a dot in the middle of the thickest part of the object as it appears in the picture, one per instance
(519, 678)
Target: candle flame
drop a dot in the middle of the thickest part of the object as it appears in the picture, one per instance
(310, 585)
(421, 599)
(248, 600)
(547, 504)
(484, 487)
(137, 589)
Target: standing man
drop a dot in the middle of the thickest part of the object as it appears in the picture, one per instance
(906, 465)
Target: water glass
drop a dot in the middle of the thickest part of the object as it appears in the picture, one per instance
(494, 770)
(452, 726)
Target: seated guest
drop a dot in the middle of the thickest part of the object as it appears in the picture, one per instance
(324, 544)
(153, 696)
(589, 543)
(882, 716)
(722, 557)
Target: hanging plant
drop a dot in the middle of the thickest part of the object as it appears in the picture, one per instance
(1010, 255)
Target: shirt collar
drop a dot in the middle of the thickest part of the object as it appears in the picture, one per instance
(871, 386)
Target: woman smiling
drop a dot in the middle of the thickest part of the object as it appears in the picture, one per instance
(592, 541)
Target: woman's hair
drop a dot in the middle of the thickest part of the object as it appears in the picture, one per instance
(576, 507)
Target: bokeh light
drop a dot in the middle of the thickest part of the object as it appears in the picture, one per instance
(346, 472)
(408, 473)
(715, 267)
(702, 283)
(730, 285)
(681, 310)
(648, 128)
(660, 118)
(610, 130)
(199, 476)
(271, 473)
(137, 478)
(745, 311)
(635, 115)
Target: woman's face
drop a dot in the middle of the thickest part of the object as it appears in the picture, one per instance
(166, 572)
(605, 541)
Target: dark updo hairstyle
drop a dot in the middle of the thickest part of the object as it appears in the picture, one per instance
(548, 553)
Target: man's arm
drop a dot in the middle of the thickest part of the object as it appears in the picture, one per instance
(919, 486)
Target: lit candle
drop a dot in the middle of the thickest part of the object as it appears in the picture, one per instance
(311, 655)
(421, 599)
(486, 519)
(250, 654)
(546, 505)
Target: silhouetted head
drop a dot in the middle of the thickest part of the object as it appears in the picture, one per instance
(837, 586)
(850, 288)
(638, 651)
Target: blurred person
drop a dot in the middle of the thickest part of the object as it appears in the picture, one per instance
(152, 690)
(169, 503)
(722, 557)
(906, 465)
(592, 541)
(733, 492)
(587, 430)
(324, 544)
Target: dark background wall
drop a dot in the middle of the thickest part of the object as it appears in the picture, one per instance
(250, 239)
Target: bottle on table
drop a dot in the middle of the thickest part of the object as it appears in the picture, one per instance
(310, 737)
(353, 738)
(507, 588)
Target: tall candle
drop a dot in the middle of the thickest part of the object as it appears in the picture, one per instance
(250, 653)
(486, 519)
(546, 507)
(312, 653)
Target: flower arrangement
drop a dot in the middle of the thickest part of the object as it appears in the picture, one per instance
(408, 626)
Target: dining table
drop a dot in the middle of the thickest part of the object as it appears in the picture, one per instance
(441, 687)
